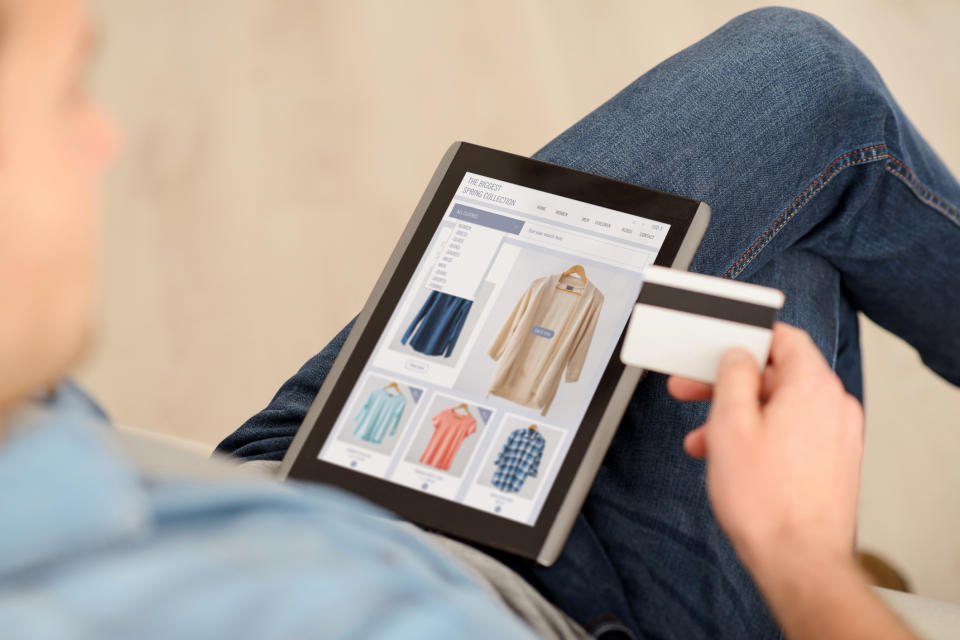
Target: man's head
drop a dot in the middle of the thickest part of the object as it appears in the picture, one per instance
(54, 145)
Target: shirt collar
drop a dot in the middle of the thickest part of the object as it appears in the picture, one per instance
(63, 486)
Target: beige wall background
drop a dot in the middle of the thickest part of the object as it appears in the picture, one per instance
(275, 149)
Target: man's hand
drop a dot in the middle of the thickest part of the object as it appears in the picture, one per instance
(783, 450)
(783, 454)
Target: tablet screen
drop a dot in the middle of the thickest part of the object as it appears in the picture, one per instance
(489, 362)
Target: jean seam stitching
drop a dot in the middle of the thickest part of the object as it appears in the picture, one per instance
(921, 192)
(812, 189)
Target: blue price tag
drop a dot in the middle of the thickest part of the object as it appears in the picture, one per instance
(543, 332)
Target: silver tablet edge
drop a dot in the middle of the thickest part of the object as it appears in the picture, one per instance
(592, 459)
(364, 318)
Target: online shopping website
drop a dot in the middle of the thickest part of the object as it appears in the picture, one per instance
(486, 368)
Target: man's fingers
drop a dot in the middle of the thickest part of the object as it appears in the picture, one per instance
(768, 383)
(695, 443)
(855, 415)
(689, 390)
(794, 354)
(736, 395)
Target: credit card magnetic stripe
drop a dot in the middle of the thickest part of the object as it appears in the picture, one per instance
(704, 304)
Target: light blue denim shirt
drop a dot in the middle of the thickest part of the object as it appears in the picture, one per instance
(92, 548)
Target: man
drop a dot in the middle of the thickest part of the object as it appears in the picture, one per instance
(106, 538)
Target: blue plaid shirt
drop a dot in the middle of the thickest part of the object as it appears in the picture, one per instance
(518, 459)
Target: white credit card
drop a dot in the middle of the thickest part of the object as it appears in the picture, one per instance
(684, 322)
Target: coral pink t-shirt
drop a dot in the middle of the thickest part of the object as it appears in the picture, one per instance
(450, 429)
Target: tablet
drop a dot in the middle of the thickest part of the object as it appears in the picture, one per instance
(480, 387)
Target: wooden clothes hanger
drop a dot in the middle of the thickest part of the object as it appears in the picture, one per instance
(575, 270)
(463, 405)
(393, 385)
(532, 427)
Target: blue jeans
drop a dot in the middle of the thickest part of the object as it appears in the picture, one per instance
(821, 187)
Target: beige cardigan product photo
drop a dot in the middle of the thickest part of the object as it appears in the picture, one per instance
(548, 332)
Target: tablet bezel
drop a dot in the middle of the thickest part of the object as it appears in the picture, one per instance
(544, 539)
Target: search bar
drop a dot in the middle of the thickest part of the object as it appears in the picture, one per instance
(612, 253)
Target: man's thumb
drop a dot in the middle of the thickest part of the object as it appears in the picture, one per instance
(736, 393)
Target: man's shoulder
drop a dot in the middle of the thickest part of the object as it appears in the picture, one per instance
(134, 520)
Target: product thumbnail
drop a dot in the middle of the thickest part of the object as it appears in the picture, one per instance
(548, 333)
(519, 459)
(451, 428)
(380, 413)
(437, 325)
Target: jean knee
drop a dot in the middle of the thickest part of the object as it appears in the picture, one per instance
(804, 60)
(789, 27)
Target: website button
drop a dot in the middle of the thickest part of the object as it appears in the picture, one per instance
(487, 219)
(416, 365)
